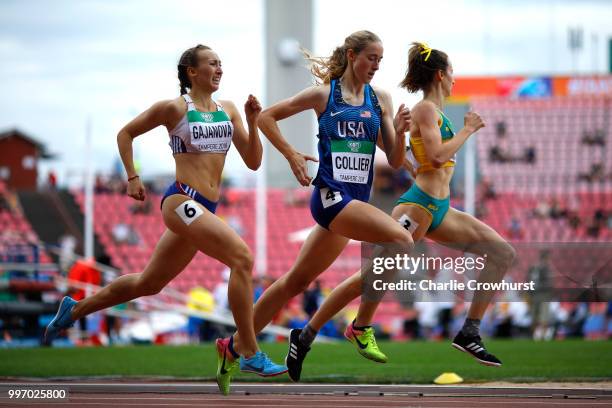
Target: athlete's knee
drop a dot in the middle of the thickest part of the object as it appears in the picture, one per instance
(242, 261)
(401, 242)
(508, 255)
(502, 254)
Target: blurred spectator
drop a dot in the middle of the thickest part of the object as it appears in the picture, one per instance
(529, 155)
(427, 317)
(595, 323)
(556, 211)
(260, 284)
(100, 185)
(501, 319)
(488, 189)
(4, 205)
(539, 274)
(235, 223)
(500, 129)
(596, 138)
(444, 300)
(311, 299)
(600, 216)
(594, 228)
(125, 234)
(542, 210)
(609, 320)
(411, 323)
(51, 180)
(573, 220)
(200, 300)
(258, 287)
(82, 271)
(297, 197)
(67, 244)
(595, 174)
(142, 207)
(515, 228)
(293, 316)
(220, 293)
(333, 328)
(231, 196)
(500, 152)
(576, 318)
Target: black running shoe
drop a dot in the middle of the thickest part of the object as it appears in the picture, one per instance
(474, 346)
(296, 355)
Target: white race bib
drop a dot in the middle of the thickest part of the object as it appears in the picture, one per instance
(329, 197)
(188, 211)
(352, 160)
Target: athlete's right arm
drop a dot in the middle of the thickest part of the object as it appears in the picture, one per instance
(315, 98)
(426, 117)
(156, 115)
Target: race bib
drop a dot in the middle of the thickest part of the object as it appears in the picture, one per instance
(407, 222)
(352, 160)
(211, 132)
(329, 197)
(188, 211)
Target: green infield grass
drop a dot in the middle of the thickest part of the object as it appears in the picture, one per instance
(417, 362)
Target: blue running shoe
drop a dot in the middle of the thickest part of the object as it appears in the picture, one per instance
(261, 365)
(62, 319)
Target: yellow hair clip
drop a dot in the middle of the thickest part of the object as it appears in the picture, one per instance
(426, 50)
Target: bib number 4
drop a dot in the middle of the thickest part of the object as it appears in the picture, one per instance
(330, 197)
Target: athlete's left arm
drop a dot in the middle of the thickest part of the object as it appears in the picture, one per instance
(393, 130)
(248, 144)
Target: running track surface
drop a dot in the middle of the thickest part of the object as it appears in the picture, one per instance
(289, 396)
(299, 401)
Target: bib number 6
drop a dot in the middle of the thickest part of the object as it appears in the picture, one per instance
(188, 211)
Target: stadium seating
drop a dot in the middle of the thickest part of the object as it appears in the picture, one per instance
(17, 235)
(110, 209)
(555, 128)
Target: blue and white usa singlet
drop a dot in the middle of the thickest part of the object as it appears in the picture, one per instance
(347, 143)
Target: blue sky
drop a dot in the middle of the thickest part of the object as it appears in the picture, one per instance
(65, 61)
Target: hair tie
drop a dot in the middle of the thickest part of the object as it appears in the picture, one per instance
(426, 50)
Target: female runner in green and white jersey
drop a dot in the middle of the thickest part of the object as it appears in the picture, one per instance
(201, 131)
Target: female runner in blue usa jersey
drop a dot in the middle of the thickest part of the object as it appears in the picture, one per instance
(353, 118)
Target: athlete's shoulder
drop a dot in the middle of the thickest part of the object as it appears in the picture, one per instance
(383, 95)
(318, 91)
(424, 107)
(424, 112)
(166, 110)
(314, 97)
(228, 106)
(172, 106)
(381, 92)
